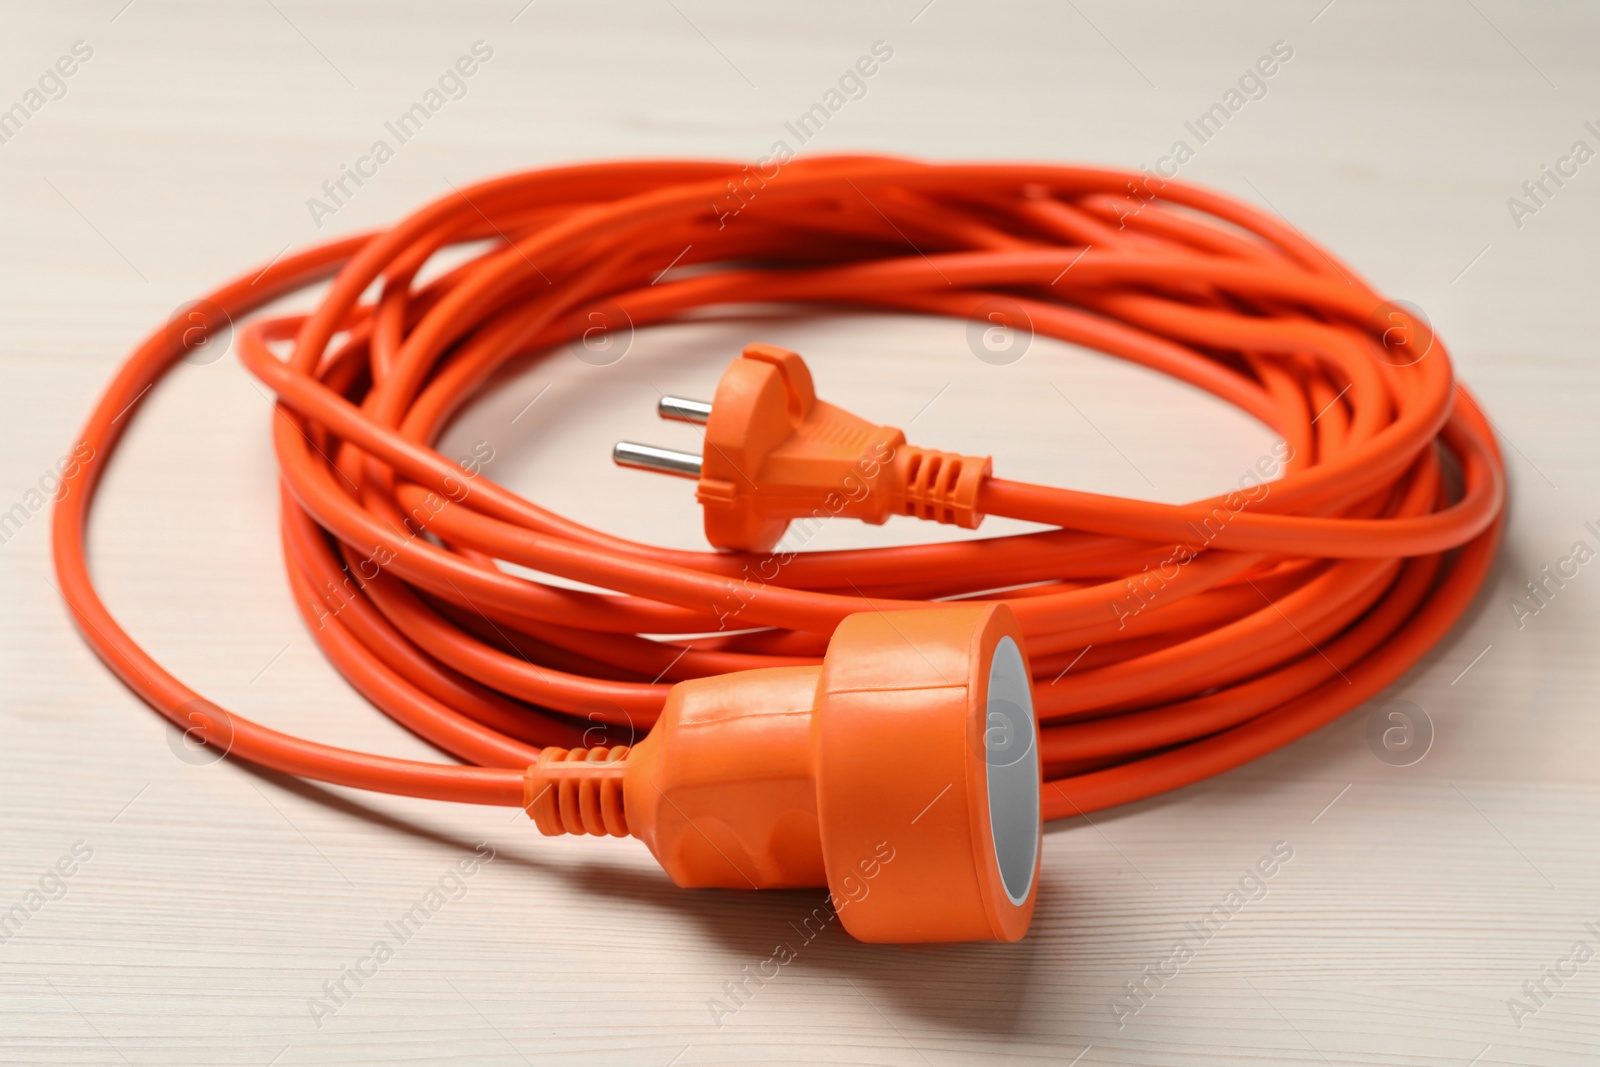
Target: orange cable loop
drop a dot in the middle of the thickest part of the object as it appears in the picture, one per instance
(1215, 631)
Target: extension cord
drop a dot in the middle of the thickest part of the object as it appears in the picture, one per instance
(1218, 630)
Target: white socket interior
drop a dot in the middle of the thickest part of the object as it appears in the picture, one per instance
(1011, 756)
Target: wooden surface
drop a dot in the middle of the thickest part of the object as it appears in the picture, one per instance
(218, 901)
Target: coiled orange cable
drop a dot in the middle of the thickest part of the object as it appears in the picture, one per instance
(1302, 598)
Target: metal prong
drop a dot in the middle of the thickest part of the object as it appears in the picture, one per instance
(661, 460)
(676, 407)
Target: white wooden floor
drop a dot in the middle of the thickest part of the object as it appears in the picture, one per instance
(209, 906)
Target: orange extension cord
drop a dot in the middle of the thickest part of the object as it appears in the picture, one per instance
(1303, 604)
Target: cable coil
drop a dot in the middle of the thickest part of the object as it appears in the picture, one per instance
(1168, 642)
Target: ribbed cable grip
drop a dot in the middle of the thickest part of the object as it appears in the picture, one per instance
(942, 486)
(577, 791)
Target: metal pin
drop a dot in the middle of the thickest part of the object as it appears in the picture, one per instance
(661, 460)
(676, 407)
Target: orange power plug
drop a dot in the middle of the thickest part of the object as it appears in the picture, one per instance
(903, 773)
(774, 453)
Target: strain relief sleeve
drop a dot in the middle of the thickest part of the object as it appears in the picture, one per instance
(577, 791)
(941, 486)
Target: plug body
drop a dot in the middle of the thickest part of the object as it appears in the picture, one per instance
(903, 774)
(774, 453)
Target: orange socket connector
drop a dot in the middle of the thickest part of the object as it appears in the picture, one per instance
(775, 453)
(902, 773)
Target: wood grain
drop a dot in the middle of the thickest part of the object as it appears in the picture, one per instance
(218, 901)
